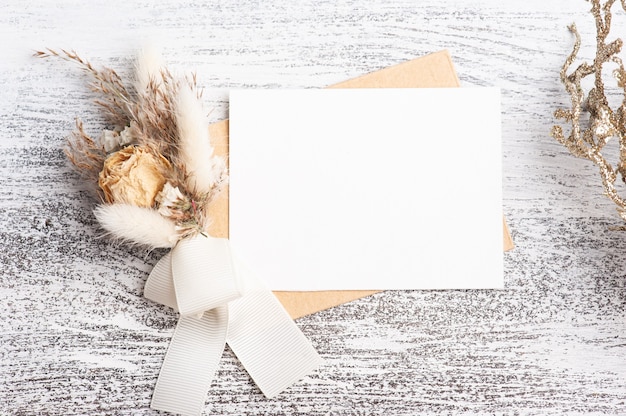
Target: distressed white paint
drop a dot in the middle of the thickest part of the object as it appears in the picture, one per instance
(554, 341)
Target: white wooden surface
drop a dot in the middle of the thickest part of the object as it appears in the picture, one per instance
(76, 336)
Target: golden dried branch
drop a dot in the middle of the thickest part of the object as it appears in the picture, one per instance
(604, 123)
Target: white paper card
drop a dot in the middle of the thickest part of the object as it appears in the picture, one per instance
(340, 189)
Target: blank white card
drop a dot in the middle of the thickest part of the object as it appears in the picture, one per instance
(340, 189)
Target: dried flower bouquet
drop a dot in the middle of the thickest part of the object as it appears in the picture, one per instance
(156, 169)
(157, 173)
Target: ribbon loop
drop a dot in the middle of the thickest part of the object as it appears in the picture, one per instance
(204, 274)
(160, 284)
(221, 302)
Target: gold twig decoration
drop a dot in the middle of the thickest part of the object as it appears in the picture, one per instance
(604, 122)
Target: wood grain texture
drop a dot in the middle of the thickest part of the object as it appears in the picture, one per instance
(77, 337)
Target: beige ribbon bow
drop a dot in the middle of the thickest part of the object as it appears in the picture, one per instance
(220, 303)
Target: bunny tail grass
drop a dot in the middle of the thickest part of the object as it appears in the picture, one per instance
(148, 67)
(144, 226)
(205, 170)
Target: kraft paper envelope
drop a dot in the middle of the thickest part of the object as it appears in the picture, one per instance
(434, 70)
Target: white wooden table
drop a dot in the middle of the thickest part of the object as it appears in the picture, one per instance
(77, 337)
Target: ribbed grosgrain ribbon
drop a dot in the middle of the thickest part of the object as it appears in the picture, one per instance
(220, 302)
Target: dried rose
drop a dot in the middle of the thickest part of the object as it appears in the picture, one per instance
(133, 176)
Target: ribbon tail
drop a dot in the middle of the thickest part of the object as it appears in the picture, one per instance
(191, 362)
(268, 343)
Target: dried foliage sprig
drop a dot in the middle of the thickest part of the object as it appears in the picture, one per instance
(587, 140)
(116, 99)
(156, 169)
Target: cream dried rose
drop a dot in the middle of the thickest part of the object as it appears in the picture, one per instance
(133, 176)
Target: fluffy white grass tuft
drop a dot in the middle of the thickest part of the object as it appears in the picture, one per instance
(196, 152)
(132, 224)
(148, 67)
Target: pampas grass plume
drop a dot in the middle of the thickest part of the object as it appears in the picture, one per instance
(132, 224)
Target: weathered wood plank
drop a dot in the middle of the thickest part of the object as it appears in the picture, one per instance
(77, 337)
